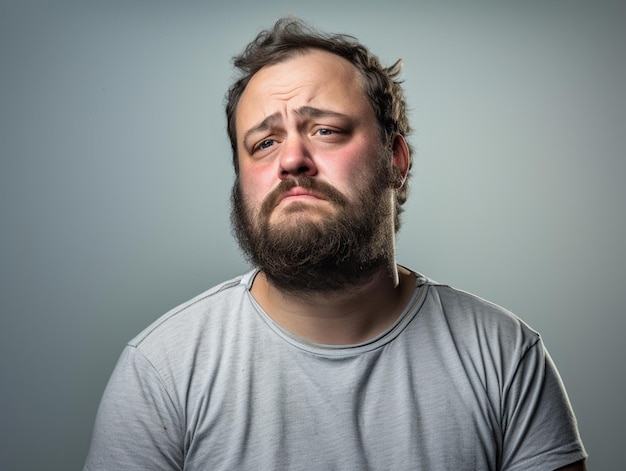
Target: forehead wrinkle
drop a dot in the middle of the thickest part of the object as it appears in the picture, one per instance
(284, 90)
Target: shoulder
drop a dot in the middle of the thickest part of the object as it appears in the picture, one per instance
(476, 324)
(466, 308)
(200, 316)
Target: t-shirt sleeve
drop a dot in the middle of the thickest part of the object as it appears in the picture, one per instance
(540, 430)
(137, 426)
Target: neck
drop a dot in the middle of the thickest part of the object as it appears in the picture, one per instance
(342, 317)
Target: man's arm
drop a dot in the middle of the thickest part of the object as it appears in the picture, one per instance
(137, 426)
(541, 426)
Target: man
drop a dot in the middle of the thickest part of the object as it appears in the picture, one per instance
(329, 355)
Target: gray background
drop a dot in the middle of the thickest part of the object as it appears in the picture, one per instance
(115, 175)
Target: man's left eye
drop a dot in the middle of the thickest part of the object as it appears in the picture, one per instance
(325, 132)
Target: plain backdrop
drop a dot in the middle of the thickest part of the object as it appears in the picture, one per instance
(115, 176)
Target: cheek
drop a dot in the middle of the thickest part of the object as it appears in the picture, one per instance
(351, 168)
(256, 183)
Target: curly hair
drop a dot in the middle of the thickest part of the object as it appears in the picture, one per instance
(291, 36)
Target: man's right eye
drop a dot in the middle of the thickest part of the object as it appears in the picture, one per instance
(265, 144)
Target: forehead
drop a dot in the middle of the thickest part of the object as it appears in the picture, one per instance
(316, 78)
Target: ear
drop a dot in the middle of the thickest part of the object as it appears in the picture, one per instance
(401, 158)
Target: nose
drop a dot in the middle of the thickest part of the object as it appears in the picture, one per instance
(295, 159)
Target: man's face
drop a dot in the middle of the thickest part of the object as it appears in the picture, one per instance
(314, 179)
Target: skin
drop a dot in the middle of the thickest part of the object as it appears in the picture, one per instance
(309, 115)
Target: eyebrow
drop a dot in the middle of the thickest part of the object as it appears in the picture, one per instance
(305, 111)
(311, 112)
(262, 126)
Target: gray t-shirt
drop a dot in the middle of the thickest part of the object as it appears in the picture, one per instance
(456, 383)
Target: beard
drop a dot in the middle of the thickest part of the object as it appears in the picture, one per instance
(328, 253)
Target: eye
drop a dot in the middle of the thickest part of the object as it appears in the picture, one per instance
(265, 144)
(330, 134)
(325, 132)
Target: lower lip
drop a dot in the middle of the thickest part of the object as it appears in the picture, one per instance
(307, 200)
(299, 198)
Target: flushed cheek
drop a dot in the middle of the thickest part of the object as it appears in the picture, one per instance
(255, 185)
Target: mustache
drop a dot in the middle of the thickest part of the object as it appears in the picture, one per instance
(324, 189)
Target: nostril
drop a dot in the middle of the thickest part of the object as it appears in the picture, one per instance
(295, 160)
(303, 169)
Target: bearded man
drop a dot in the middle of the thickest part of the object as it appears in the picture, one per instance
(328, 354)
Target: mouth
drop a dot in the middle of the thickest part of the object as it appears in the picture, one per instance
(299, 193)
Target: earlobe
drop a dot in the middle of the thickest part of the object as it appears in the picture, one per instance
(401, 159)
